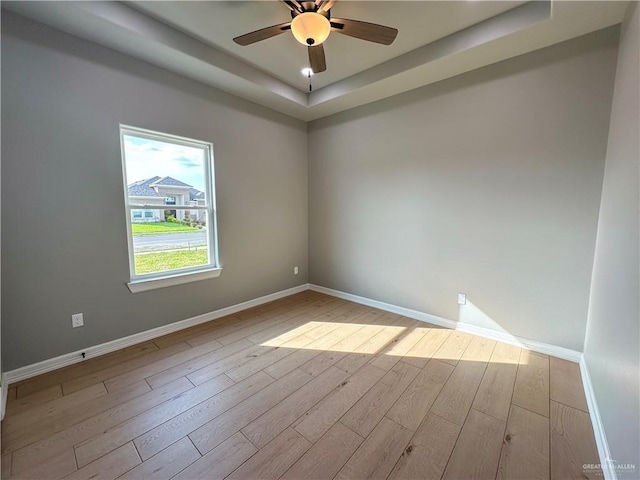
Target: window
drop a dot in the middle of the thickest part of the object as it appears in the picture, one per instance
(168, 247)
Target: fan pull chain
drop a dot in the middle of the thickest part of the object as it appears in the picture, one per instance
(309, 75)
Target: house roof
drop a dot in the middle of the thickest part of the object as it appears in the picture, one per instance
(170, 182)
(195, 194)
(144, 188)
(141, 188)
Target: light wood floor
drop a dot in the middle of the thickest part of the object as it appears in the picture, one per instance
(305, 387)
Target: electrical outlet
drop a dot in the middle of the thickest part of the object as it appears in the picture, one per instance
(462, 299)
(295, 270)
(77, 320)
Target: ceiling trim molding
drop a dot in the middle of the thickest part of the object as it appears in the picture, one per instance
(471, 37)
(528, 27)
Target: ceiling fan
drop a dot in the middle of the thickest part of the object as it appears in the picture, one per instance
(311, 22)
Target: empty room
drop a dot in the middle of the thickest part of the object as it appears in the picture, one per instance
(322, 239)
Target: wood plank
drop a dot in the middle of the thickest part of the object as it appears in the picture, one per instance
(314, 308)
(268, 334)
(78, 412)
(177, 427)
(5, 466)
(412, 406)
(236, 330)
(233, 420)
(350, 340)
(53, 469)
(379, 336)
(331, 333)
(298, 318)
(566, 384)
(53, 409)
(525, 451)
(244, 331)
(221, 461)
(109, 467)
(428, 452)
(367, 412)
(273, 354)
(455, 399)
(248, 325)
(280, 347)
(98, 376)
(320, 363)
(52, 447)
(29, 426)
(19, 405)
(12, 394)
(478, 350)
(255, 358)
(477, 451)
(91, 449)
(572, 444)
(145, 371)
(453, 347)
(391, 329)
(216, 361)
(377, 455)
(35, 384)
(327, 456)
(426, 347)
(496, 389)
(274, 421)
(167, 463)
(531, 390)
(337, 344)
(196, 331)
(401, 346)
(275, 458)
(319, 419)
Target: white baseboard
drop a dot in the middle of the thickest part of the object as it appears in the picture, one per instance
(504, 337)
(608, 467)
(3, 399)
(97, 350)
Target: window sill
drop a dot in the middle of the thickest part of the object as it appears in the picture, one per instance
(146, 284)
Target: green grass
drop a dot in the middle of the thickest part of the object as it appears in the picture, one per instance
(160, 227)
(157, 262)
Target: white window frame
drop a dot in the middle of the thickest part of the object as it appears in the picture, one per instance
(150, 281)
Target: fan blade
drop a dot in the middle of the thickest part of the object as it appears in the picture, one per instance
(370, 32)
(262, 34)
(325, 5)
(316, 59)
(294, 5)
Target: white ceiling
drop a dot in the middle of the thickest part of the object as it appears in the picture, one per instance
(436, 40)
(419, 23)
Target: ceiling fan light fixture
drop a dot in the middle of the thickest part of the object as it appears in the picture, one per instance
(310, 28)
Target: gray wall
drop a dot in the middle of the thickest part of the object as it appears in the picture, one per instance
(612, 345)
(488, 184)
(64, 244)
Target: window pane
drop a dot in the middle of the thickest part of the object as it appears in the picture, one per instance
(178, 241)
(163, 173)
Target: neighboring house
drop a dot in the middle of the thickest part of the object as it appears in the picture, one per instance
(164, 191)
